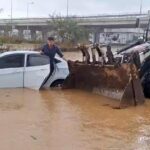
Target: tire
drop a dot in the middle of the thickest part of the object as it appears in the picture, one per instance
(57, 83)
(146, 84)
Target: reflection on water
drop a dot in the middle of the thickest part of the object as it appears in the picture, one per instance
(69, 120)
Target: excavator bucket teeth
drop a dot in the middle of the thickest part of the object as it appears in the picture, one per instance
(117, 82)
(133, 94)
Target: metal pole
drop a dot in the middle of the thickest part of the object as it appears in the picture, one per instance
(67, 8)
(141, 7)
(27, 15)
(28, 4)
(11, 15)
(148, 27)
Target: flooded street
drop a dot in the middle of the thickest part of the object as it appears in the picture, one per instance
(69, 120)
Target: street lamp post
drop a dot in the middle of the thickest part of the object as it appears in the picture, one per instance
(11, 15)
(141, 7)
(28, 4)
(67, 8)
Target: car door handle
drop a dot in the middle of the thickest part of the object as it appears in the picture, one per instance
(43, 69)
(16, 72)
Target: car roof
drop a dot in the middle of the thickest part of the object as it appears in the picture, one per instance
(18, 52)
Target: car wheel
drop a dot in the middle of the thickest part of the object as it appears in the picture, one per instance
(57, 84)
(146, 84)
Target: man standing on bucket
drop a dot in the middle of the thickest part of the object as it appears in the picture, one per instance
(50, 50)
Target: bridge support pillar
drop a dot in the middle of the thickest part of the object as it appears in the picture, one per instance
(96, 37)
(6, 32)
(39, 35)
(1, 32)
(33, 35)
(44, 35)
(21, 34)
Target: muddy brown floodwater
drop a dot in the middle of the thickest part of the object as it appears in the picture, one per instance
(70, 120)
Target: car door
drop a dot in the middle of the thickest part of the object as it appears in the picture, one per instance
(11, 71)
(36, 71)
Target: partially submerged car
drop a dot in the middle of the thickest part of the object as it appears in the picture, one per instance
(30, 69)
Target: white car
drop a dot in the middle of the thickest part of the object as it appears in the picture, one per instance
(29, 69)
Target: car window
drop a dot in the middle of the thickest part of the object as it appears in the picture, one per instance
(37, 60)
(12, 61)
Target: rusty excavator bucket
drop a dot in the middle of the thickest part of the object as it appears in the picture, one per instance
(119, 82)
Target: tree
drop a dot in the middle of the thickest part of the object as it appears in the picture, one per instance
(67, 30)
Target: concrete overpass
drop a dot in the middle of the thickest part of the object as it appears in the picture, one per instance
(97, 24)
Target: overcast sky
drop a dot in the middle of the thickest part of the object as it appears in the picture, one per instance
(42, 8)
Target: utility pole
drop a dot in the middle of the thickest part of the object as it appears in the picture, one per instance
(11, 15)
(141, 7)
(67, 8)
(28, 4)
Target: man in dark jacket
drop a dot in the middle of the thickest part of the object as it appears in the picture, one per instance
(50, 50)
